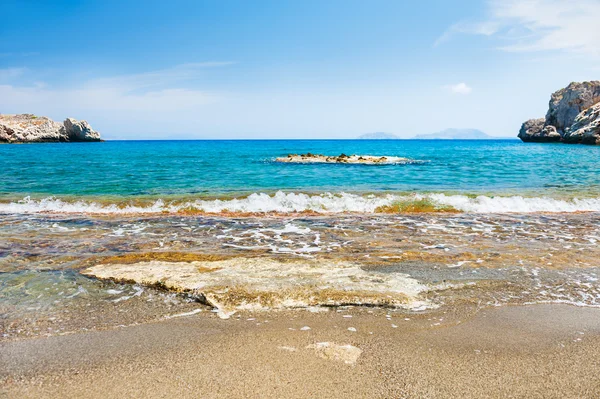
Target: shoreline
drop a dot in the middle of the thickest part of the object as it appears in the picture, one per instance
(270, 355)
(275, 262)
(283, 202)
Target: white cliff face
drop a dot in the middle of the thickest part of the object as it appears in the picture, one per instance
(572, 117)
(28, 128)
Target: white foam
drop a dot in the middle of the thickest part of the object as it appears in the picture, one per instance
(190, 313)
(518, 204)
(325, 203)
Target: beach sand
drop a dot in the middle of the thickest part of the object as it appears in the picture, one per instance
(538, 351)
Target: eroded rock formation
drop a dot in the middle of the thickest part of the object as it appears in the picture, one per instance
(29, 128)
(586, 127)
(572, 117)
(566, 104)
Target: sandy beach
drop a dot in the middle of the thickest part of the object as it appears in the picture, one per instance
(540, 351)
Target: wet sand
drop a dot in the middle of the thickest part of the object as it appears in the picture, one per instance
(541, 351)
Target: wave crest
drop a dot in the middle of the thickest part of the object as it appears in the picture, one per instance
(325, 203)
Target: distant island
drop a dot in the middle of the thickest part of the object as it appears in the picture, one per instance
(447, 134)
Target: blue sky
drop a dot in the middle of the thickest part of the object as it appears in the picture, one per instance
(293, 69)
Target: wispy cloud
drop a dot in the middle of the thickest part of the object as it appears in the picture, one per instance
(459, 88)
(8, 74)
(486, 28)
(165, 96)
(175, 75)
(538, 25)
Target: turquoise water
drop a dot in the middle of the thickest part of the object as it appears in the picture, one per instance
(126, 168)
(118, 172)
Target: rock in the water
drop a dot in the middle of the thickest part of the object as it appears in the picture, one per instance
(28, 128)
(566, 104)
(80, 130)
(258, 284)
(534, 130)
(343, 158)
(586, 129)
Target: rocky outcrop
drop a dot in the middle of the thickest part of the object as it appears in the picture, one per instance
(28, 128)
(586, 128)
(572, 117)
(343, 158)
(566, 104)
(534, 130)
(261, 283)
(80, 130)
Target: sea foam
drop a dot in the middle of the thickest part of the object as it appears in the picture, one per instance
(325, 203)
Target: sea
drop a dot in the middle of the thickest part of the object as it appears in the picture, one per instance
(98, 235)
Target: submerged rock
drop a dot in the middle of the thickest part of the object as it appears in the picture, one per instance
(572, 116)
(29, 128)
(265, 284)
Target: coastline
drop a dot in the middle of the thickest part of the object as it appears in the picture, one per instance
(269, 355)
(152, 239)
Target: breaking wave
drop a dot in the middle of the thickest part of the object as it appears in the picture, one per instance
(325, 203)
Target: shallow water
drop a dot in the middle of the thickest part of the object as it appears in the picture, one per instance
(480, 260)
(120, 177)
(161, 168)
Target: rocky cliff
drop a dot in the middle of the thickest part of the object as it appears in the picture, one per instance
(28, 128)
(573, 117)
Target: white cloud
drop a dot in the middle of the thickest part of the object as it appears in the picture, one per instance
(538, 25)
(459, 88)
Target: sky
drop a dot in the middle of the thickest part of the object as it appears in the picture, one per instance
(265, 69)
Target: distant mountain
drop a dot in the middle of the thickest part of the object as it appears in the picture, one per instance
(378, 136)
(456, 134)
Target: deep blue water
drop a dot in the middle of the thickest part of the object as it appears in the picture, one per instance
(126, 168)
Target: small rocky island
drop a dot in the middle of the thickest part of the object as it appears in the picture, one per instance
(343, 158)
(29, 128)
(573, 117)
